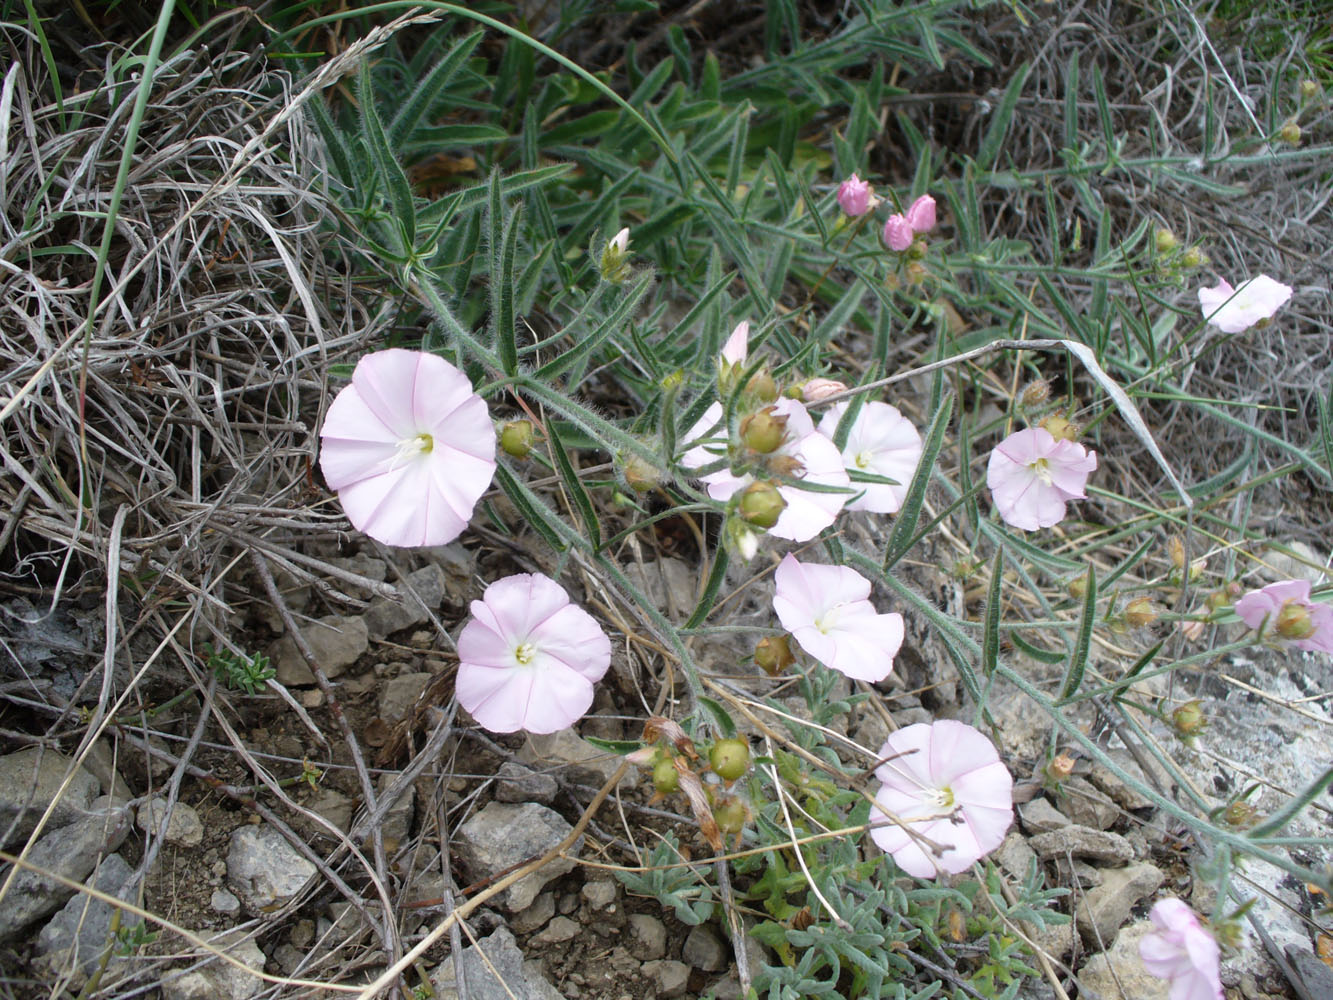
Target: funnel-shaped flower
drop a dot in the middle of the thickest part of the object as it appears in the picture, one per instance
(828, 611)
(898, 232)
(737, 347)
(1032, 476)
(882, 442)
(804, 455)
(943, 782)
(409, 447)
(1291, 615)
(1180, 950)
(1233, 310)
(528, 658)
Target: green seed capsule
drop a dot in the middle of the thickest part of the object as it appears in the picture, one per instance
(730, 759)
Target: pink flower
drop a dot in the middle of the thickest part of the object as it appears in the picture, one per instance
(855, 196)
(943, 782)
(409, 447)
(528, 658)
(737, 347)
(828, 611)
(1031, 476)
(1181, 951)
(1289, 615)
(812, 457)
(1234, 310)
(881, 442)
(898, 233)
(921, 215)
(818, 389)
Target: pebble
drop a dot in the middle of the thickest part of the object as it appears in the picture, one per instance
(648, 937)
(558, 931)
(336, 642)
(263, 869)
(705, 950)
(599, 894)
(1086, 805)
(334, 806)
(29, 780)
(669, 977)
(224, 902)
(1106, 908)
(222, 980)
(1015, 856)
(1082, 842)
(516, 783)
(184, 828)
(536, 915)
(1116, 787)
(504, 834)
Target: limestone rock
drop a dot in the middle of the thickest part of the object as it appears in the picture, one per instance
(263, 869)
(1015, 856)
(400, 694)
(29, 780)
(1082, 842)
(1039, 816)
(578, 758)
(558, 931)
(648, 938)
(386, 615)
(335, 641)
(502, 835)
(222, 980)
(1106, 908)
(502, 958)
(670, 978)
(600, 894)
(71, 851)
(1087, 805)
(72, 942)
(1118, 967)
(536, 915)
(516, 783)
(704, 949)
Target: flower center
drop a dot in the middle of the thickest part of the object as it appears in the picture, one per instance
(941, 798)
(412, 447)
(1041, 468)
(863, 459)
(525, 653)
(828, 621)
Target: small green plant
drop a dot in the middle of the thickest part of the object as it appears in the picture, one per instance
(239, 672)
(130, 939)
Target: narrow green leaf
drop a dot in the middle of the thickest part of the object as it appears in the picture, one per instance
(1139, 665)
(1039, 654)
(519, 495)
(1294, 805)
(429, 89)
(1001, 119)
(721, 719)
(904, 523)
(1072, 79)
(617, 747)
(1078, 659)
(574, 486)
(386, 164)
(716, 577)
(990, 637)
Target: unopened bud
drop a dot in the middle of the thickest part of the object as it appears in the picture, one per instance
(1140, 612)
(1166, 240)
(1194, 257)
(741, 538)
(915, 272)
(644, 756)
(761, 504)
(1191, 629)
(641, 475)
(614, 263)
(1290, 133)
(764, 432)
(1189, 719)
(1223, 598)
(1035, 394)
(786, 466)
(516, 438)
(818, 389)
(666, 779)
(730, 815)
(1240, 814)
(1060, 428)
(1293, 621)
(762, 387)
(1309, 89)
(1078, 587)
(917, 251)
(1176, 549)
(773, 655)
(1060, 767)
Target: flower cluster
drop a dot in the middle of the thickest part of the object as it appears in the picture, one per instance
(902, 228)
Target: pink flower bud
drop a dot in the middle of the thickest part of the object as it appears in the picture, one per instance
(898, 233)
(821, 388)
(921, 216)
(855, 196)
